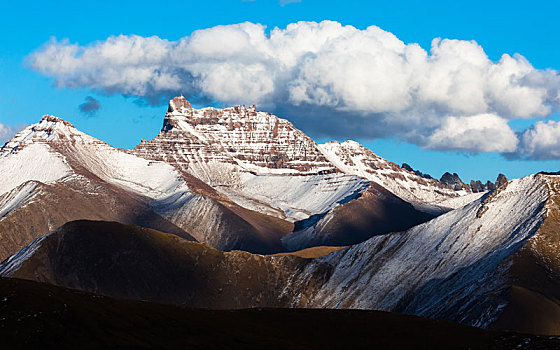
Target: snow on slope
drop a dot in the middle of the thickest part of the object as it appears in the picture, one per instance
(451, 267)
(14, 262)
(150, 178)
(16, 198)
(35, 162)
(260, 161)
(297, 197)
(44, 151)
(353, 158)
(457, 202)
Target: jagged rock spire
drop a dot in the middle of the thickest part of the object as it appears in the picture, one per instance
(454, 181)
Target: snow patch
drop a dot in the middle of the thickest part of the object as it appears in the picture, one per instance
(17, 198)
(298, 197)
(34, 162)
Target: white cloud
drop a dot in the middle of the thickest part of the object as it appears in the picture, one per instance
(7, 132)
(336, 79)
(542, 141)
(480, 133)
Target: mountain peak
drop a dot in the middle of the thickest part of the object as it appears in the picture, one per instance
(352, 143)
(238, 135)
(179, 104)
(52, 119)
(454, 181)
(49, 128)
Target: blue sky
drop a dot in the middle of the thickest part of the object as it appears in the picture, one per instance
(498, 27)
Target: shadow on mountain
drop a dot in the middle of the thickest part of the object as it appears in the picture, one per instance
(37, 315)
(374, 212)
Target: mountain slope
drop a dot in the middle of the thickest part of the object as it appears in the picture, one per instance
(479, 265)
(72, 158)
(471, 265)
(374, 212)
(35, 208)
(535, 276)
(263, 163)
(37, 315)
(426, 194)
(138, 263)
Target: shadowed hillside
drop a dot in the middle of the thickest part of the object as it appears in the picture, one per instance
(36, 315)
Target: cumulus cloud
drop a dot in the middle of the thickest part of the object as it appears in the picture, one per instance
(334, 79)
(470, 134)
(90, 106)
(541, 141)
(7, 132)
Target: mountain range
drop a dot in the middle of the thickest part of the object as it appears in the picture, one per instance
(234, 178)
(236, 208)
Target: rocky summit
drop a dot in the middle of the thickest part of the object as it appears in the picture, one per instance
(237, 135)
(234, 178)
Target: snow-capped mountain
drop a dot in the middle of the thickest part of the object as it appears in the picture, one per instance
(216, 181)
(56, 149)
(70, 168)
(265, 164)
(258, 160)
(234, 178)
(425, 193)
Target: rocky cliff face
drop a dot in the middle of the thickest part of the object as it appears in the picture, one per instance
(454, 181)
(253, 140)
(407, 167)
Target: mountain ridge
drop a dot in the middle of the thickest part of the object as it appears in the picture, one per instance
(468, 265)
(250, 201)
